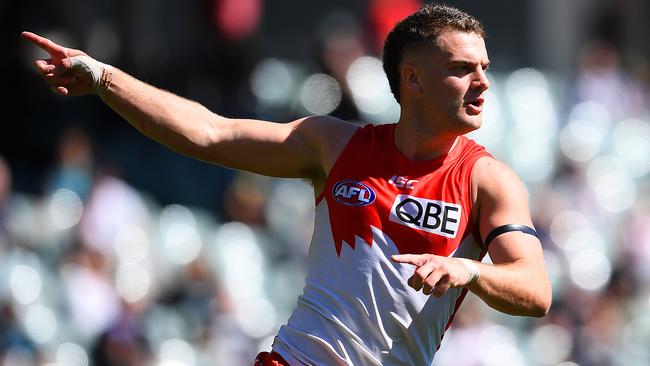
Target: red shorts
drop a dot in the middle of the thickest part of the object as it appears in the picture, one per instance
(269, 359)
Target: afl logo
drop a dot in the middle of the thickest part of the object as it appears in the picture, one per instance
(352, 193)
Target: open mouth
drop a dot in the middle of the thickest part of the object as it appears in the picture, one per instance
(478, 102)
(475, 106)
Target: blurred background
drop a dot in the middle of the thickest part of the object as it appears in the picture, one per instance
(116, 251)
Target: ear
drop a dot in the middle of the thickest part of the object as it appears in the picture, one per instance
(410, 78)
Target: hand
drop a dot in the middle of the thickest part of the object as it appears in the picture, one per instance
(58, 70)
(434, 273)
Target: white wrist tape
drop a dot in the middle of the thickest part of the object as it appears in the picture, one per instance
(89, 65)
(472, 268)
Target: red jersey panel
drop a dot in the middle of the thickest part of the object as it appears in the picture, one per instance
(424, 206)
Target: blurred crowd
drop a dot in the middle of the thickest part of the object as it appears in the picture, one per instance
(104, 261)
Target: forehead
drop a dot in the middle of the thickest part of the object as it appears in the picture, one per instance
(462, 45)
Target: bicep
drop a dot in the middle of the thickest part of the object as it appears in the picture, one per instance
(296, 149)
(503, 200)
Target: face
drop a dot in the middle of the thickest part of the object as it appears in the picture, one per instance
(451, 81)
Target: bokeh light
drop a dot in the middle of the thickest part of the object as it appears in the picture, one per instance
(613, 187)
(176, 214)
(582, 239)
(71, 354)
(272, 82)
(551, 344)
(172, 363)
(592, 112)
(260, 325)
(495, 335)
(631, 140)
(132, 281)
(371, 91)
(565, 223)
(65, 208)
(530, 101)
(320, 94)
(290, 214)
(25, 283)
(177, 350)
(504, 355)
(581, 140)
(131, 244)
(241, 260)
(40, 323)
(590, 269)
(534, 124)
(532, 159)
(182, 242)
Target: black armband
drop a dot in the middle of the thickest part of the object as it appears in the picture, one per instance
(507, 228)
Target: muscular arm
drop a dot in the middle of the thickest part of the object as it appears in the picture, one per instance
(305, 148)
(516, 283)
(295, 149)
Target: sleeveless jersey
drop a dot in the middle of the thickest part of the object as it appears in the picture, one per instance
(356, 307)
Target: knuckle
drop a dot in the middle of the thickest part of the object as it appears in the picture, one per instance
(443, 267)
(421, 273)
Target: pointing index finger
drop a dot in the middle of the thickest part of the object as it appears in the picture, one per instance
(407, 258)
(50, 47)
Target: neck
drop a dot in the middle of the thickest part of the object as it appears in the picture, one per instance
(417, 142)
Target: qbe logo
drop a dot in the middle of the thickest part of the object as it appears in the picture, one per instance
(352, 193)
(436, 217)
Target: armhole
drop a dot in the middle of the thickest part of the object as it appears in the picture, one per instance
(320, 197)
(345, 149)
(476, 231)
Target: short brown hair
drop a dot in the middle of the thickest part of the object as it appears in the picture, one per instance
(423, 27)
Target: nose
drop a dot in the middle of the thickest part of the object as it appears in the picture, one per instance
(480, 80)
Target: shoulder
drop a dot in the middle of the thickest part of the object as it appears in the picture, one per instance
(489, 170)
(492, 179)
(329, 135)
(324, 128)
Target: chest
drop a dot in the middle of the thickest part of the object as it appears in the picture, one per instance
(420, 213)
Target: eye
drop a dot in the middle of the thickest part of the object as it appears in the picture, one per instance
(462, 69)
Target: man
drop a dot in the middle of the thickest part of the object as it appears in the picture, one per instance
(405, 212)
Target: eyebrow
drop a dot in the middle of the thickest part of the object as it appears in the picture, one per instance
(467, 62)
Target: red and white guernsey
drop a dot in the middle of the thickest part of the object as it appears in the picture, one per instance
(356, 307)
